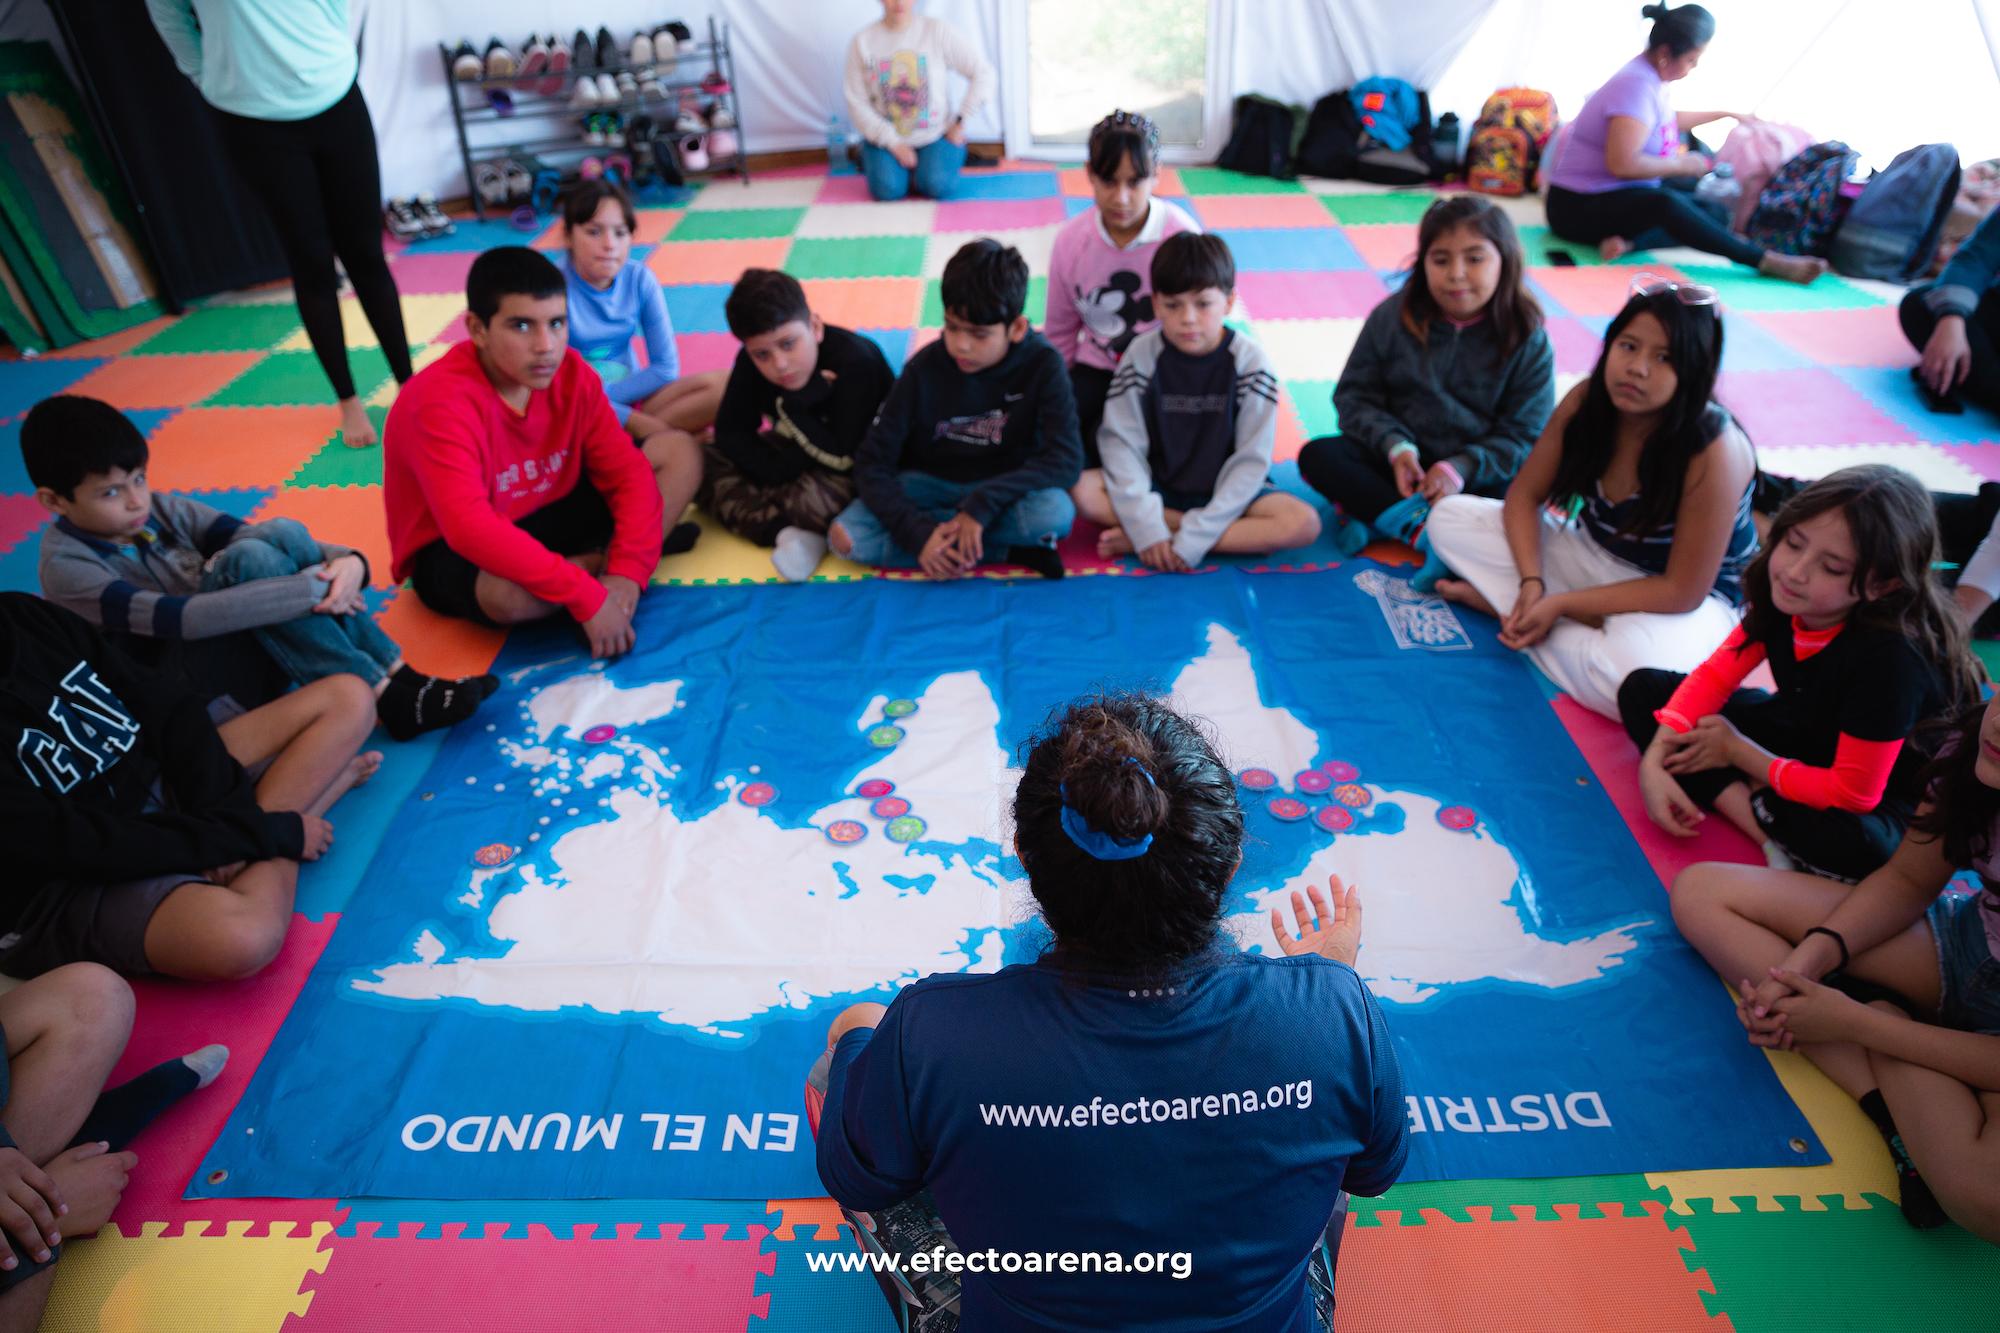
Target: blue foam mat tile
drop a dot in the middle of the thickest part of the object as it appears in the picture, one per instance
(240, 502)
(1894, 393)
(471, 234)
(19, 567)
(562, 1217)
(697, 307)
(14, 473)
(979, 183)
(26, 382)
(1292, 249)
(805, 1301)
(361, 820)
(1748, 345)
(895, 344)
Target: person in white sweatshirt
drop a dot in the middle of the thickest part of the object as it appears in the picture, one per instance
(913, 137)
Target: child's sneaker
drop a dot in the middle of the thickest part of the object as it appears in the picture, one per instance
(499, 60)
(628, 86)
(607, 90)
(593, 130)
(402, 221)
(721, 145)
(584, 94)
(614, 133)
(434, 219)
(641, 52)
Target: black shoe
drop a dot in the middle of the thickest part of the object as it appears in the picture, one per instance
(581, 56)
(1044, 560)
(608, 56)
(681, 539)
(681, 31)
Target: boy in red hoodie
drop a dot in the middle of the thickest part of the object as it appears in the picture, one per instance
(512, 491)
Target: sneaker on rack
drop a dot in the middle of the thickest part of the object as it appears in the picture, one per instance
(714, 84)
(499, 60)
(719, 117)
(607, 90)
(641, 52)
(558, 68)
(693, 153)
(434, 219)
(721, 145)
(614, 134)
(466, 66)
(689, 120)
(584, 95)
(401, 219)
(593, 130)
(534, 60)
(628, 86)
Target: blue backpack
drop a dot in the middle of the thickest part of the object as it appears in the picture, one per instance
(1801, 208)
(1892, 230)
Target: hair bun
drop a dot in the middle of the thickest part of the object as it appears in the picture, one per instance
(1655, 12)
(1107, 776)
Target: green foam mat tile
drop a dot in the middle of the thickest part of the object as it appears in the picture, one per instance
(932, 315)
(1313, 399)
(1214, 180)
(1742, 290)
(857, 257)
(1537, 243)
(1452, 1198)
(337, 465)
(1988, 652)
(736, 224)
(1863, 1269)
(1362, 209)
(226, 328)
(286, 379)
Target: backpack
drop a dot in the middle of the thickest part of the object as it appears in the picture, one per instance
(1754, 151)
(1338, 145)
(1798, 212)
(1891, 230)
(1264, 137)
(1513, 128)
(1388, 110)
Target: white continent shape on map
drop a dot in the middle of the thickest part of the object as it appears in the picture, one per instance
(716, 922)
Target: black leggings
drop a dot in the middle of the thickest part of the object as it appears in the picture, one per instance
(322, 185)
(1982, 333)
(1358, 478)
(1838, 844)
(1650, 218)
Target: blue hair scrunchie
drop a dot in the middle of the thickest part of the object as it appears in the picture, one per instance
(1094, 842)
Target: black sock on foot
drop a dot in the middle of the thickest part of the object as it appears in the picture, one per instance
(123, 1111)
(1044, 560)
(682, 538)
(414, 703)
(1920, 1206)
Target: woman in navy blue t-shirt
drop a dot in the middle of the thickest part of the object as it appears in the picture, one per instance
(1146, 1128)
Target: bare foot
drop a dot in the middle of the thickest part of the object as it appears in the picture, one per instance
(1792, 268)
(1613, 248)
(1463, 593)
(356, 430)
(91, 1181)
(359, 769)
(1113, 541)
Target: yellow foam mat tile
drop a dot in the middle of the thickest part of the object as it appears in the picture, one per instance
(425, 316)
(1860, 1164)
(154, 1283)
(385, 395)
(723, 557)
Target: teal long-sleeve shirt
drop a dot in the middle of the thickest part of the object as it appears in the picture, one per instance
(258, 59)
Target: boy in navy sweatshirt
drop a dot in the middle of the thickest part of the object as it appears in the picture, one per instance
(976, 449)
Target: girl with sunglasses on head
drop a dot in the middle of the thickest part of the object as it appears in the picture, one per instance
(1100, 269)
(1865, 647)
(1127, 1046)
(1622, 542)
(1611, 182)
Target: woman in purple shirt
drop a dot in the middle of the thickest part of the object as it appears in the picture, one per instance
(1604, 186)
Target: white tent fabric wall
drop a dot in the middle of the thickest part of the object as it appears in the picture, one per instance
(789, 58)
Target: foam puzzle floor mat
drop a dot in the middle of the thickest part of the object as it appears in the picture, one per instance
(232, 404)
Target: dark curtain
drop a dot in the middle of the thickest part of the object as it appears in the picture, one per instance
(204, 231)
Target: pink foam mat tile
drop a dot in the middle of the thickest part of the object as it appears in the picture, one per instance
(20, 517)
(1615, 761)
(1870, 337)
(851, 189)
(997, 214)
(702, 352)
(392, 1281)
(1783, 407)
(436, 271)
(176, 1017)
(1575, 346)
(1307, 295)
(1981, 458)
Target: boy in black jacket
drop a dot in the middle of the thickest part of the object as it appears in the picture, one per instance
(134, 836)
(977, 447)
(818, 387)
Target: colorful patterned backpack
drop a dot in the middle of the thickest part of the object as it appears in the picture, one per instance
(1513, 128)
(1799, 211)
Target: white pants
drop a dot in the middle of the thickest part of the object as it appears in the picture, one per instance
(1468, 534)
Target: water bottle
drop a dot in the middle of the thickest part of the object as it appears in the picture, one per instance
(837, 161)
(1720, 186)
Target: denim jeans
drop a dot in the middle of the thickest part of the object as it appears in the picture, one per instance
(1039, 518)
(313, 645)
(938, 165)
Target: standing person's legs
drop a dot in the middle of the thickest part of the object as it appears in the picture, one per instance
(276, 162)
(1350, 474)
(350, 179)
(887, 178)
(938, 165)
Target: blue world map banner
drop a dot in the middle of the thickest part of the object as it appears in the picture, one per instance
(599, 947)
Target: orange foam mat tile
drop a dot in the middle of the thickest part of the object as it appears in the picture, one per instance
(715, 261)
(807, 1219)
(867, 303)
(169, 380)
(349, 515)
(1074, 182)
(1620, 1271)
(1597, 289)
(236, 448)
(147, 1282)
(113, 344)
(438, 645)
